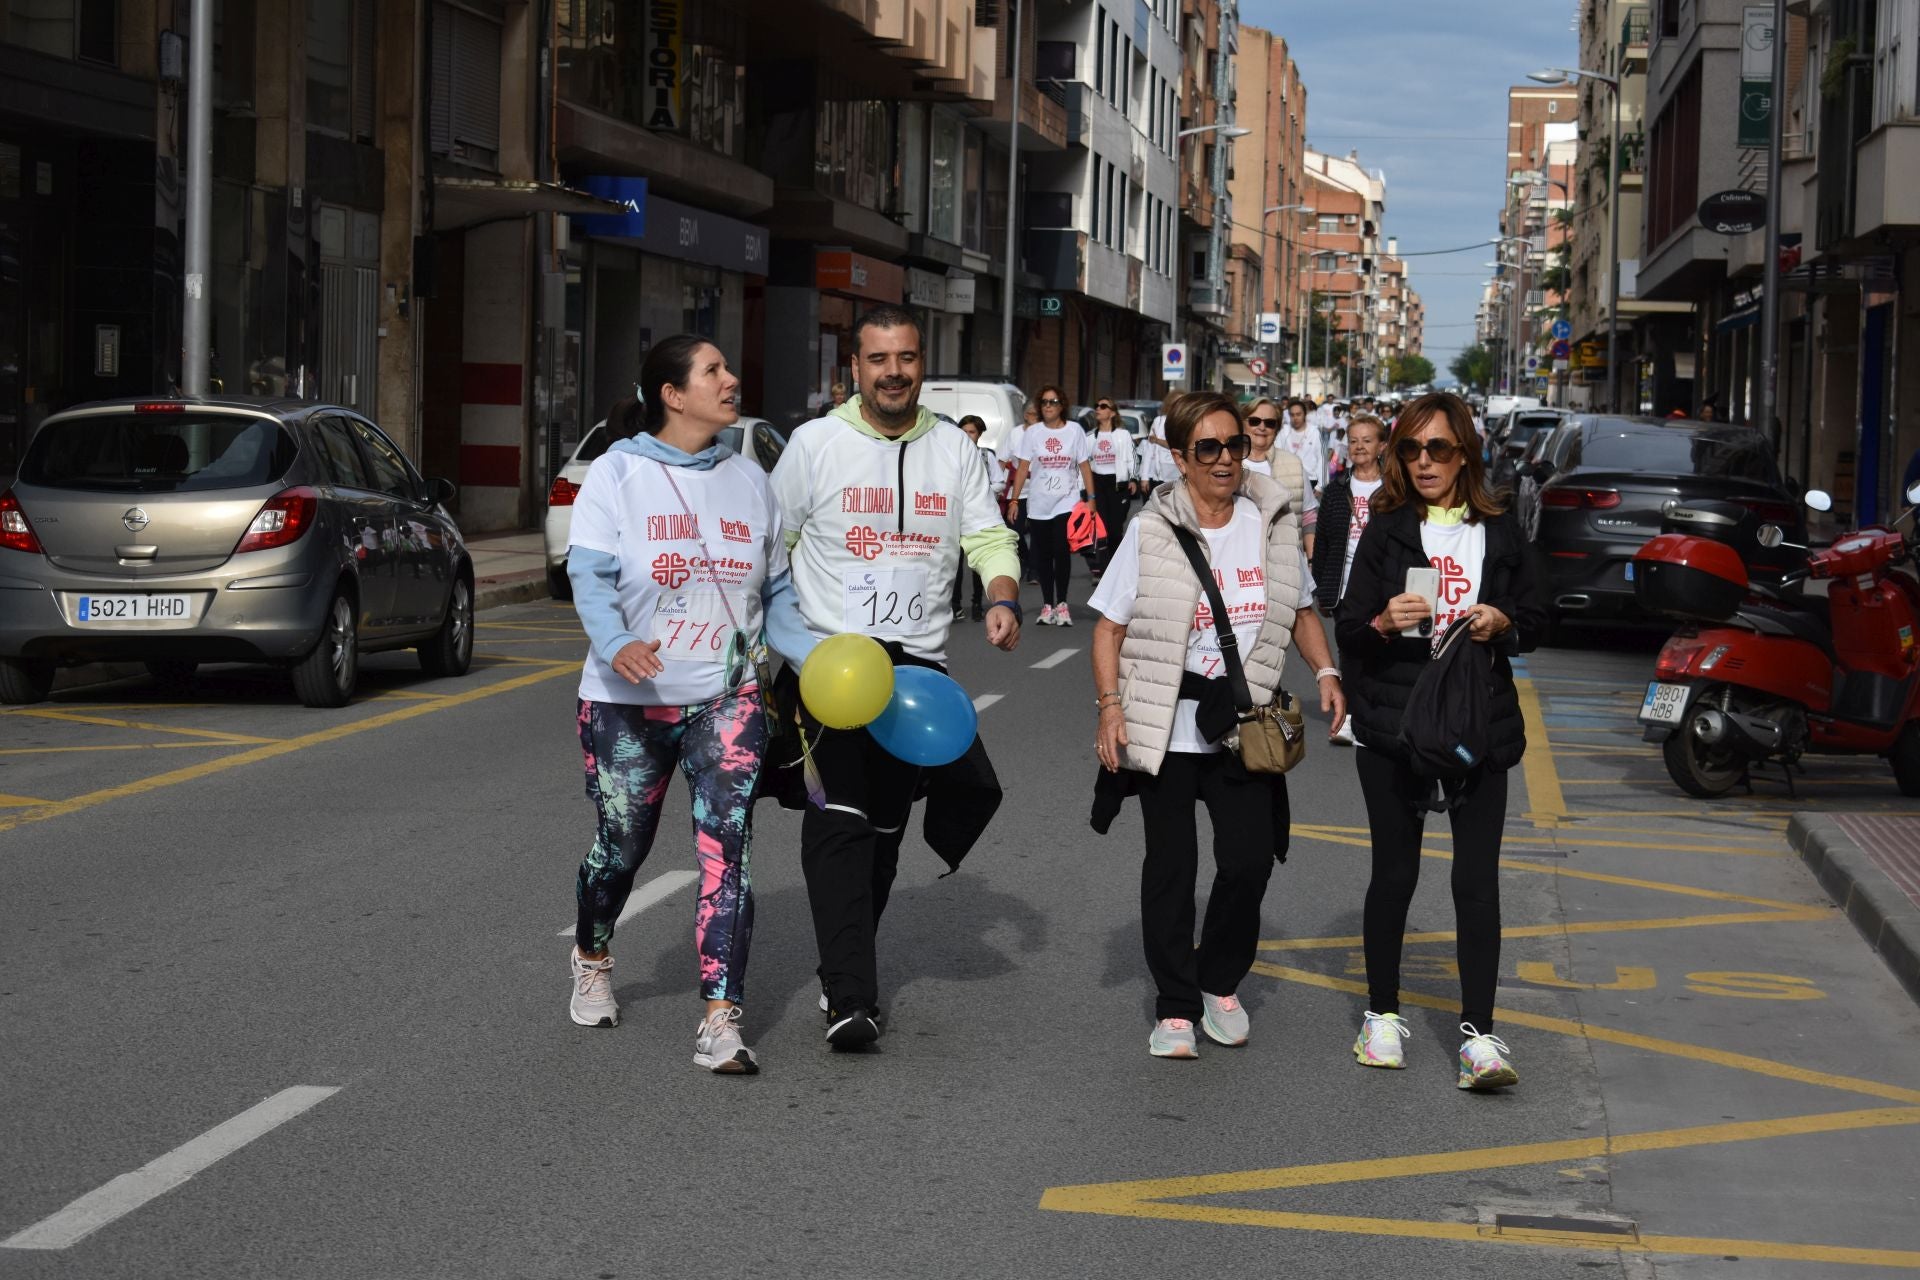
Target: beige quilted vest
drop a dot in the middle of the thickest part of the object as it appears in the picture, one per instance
(1154, 654)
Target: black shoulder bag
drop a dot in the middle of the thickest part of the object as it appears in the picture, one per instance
(1273, 738)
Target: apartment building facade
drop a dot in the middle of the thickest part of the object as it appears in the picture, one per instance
(1267, 186)
(1342, 274)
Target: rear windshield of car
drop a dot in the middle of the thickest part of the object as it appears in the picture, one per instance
(1667, 451)
(159, 453)
(598, 441)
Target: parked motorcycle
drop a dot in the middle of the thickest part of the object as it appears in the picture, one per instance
(1761, 672)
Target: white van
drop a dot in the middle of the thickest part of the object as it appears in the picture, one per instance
(998, 404)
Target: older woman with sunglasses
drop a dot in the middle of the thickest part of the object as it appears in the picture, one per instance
(1164, 705)
(1263, 428)
(1433, 511)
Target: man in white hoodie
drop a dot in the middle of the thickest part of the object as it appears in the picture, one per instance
(880, 502)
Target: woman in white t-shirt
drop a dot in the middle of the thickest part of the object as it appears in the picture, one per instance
(1263, 428)
(1115, 468)
(1347, 504)
(679, 574)
(1053, 473)
(1165, 702)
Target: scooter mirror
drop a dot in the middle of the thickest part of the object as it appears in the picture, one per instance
(1769, 536)
(1819, 500)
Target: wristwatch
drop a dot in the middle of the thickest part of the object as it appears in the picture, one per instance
(1019, 615)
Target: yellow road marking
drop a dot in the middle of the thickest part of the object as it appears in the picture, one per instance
(117, 746)
(16, 802)
(1571, 832)
(115, 706)
(1545, 803)
(403, 693)
(1633, 1040)
(1558, 930)
(273, 750)
(1157, 1197)
(75, 717)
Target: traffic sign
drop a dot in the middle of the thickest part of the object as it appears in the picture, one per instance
(1173, 361)
(1562, 330)
(1533, 361)
(1269, 329)
(1258, 367)
(1560, 349)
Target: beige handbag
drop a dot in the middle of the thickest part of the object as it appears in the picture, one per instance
(1270, 739)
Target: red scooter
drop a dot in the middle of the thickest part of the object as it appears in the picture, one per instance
(1759, 672)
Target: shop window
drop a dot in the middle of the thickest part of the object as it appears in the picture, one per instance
(340, 68)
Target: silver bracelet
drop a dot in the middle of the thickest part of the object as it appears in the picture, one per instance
(1324, 672)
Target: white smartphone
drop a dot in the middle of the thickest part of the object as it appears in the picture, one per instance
(1425, 583)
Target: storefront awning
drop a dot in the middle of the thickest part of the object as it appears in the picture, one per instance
(1740, 319)
(463, 202)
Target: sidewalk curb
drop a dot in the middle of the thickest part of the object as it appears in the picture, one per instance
(495, 593)
(1886, 918)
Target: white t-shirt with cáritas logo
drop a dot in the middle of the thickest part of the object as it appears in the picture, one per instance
(1113, 453)
(669, 588)
(878, 525)
(1459, 552)
(1363, 491)
(1053, 456)
(1234, 551)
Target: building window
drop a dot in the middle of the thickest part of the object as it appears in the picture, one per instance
(1329, 224)
(1099, 193)
(853, 154)
(84, 29)
(340, 68)
(1099, 50)
(465, 117)
(943, 178)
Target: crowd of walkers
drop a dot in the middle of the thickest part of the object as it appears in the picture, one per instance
(1263, 529)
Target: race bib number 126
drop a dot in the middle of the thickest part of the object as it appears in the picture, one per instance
(886, 602)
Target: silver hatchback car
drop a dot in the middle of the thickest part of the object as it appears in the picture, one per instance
(176, 532)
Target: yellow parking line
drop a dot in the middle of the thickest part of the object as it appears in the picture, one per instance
(74, 717)
(114, 706)
(1307, 832)
(1545, 804)
(18, 802)
(1561, 930)
(273, 750)
(1577, 1029)
(116, 746)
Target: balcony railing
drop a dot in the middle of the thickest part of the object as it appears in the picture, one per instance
(1633, 29)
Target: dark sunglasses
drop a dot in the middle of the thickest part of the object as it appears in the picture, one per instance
(1207, 452)
(1441, 451)
(1048, 400)
(1104, 405)
(1254, 420)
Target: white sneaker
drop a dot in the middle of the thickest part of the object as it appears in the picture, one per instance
(1173, 1038)
(593, 1004)
(1062, 616)
(1046, 615)
(1483, 1061)
(1225, 1020)
(1381, 1041)
(717, 1045)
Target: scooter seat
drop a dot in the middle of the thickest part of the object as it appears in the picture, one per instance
(1805, 617)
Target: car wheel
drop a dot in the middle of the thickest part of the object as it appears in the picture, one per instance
(1699, 770)
(327, 675)
(559, 585)
(172, 674)
(1905, 758)
(450, 652)
(23, 681)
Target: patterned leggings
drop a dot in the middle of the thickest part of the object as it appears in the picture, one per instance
(630, 754)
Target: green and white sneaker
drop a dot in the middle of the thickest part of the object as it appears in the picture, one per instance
(1225, 1020)
(1173, 1038)
(1483, 1061)
(1381, 1042)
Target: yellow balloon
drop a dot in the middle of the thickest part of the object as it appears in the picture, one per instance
(847, 681)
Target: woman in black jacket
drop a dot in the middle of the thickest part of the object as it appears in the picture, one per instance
(1434, 511)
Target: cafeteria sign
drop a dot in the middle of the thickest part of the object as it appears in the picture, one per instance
(1734, 213)
(662, 95)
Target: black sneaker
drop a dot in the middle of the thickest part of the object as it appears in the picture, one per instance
(852, 1030)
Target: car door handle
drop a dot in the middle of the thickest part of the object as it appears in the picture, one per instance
(136, 552)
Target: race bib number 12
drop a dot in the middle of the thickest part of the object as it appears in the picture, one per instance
(886, 602)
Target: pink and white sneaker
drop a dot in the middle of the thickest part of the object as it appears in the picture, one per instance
(1225, 1020)
(1483, 1061)
(1173, 1038)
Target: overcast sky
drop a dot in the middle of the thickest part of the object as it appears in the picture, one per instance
(1419, 89)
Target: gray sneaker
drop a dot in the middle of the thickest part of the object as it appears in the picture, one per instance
(1225, 1020)
(592, 1004)
(717, 1045)
(1173, 1038)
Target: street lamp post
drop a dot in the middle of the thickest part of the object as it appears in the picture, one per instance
(1264, 215)
(1560, 75)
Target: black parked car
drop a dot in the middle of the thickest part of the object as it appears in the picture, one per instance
(1613, 480)
(1511, 441)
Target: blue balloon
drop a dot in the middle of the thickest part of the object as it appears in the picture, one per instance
(930, 721)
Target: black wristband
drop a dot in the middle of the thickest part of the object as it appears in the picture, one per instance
(1019, 615)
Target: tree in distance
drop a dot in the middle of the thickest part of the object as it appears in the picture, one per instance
(1474, 366)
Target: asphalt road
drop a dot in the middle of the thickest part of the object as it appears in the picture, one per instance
(282, 993)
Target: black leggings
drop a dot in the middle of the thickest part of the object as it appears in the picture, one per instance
(1052, 561)
(1396, 820)
(1242, 810)
(1111, 503)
